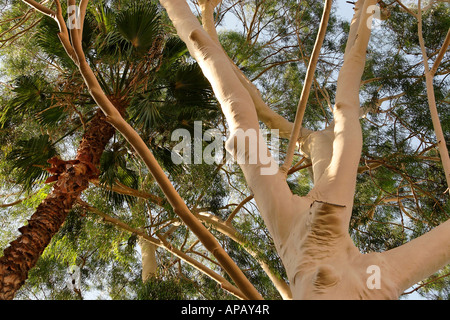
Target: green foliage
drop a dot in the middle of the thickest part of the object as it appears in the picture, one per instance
(114, 169)
(30, 96)
(30, 158)
(47, 39)
(139, 24)
(132, 31)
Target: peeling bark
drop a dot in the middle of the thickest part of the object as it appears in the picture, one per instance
(72, 178)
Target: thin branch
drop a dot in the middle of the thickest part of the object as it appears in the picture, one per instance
(406, 8)
(442, 146)
(307, 87)
(162, 243)
(41, 8)
(425, 284)
(7, 205)
(441, 54)
(125, 190)
(236, 210)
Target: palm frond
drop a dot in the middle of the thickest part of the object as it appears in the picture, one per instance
(47, 39)
(190, 87)
(29, 160)
(128, 32)
(30, 92)
(164, 157)
(144, 110)
(140, 25)
(113, 167)
(29, 95)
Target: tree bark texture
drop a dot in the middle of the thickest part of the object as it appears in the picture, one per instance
(72, 178)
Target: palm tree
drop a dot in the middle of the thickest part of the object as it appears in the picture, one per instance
(144, 73)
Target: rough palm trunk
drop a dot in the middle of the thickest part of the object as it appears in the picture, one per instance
(72, 178)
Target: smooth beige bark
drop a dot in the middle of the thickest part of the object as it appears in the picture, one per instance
(421, 257)
(265, 114)
(148, 258)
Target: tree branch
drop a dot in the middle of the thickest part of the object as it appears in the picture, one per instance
(227, 229)
(307, 87)
(264, 112)
(162, 243)
(441, 54)
(239, 207)
(338, 182)
(421, 257)
(442, 146)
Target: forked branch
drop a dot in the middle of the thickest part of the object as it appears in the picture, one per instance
(307, 87)
(429, 74)
(269, 117)
(162, 243)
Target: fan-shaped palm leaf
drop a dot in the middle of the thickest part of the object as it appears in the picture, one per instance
(144, 111)
(30, 95)
(51, 116)
(190, 87)
(140, 25)
(47, 39)
(129, 32)
(29, 159)
(113, 166)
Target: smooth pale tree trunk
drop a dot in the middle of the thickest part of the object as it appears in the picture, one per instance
(72, 178)
(148, 254)
(311, 232)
